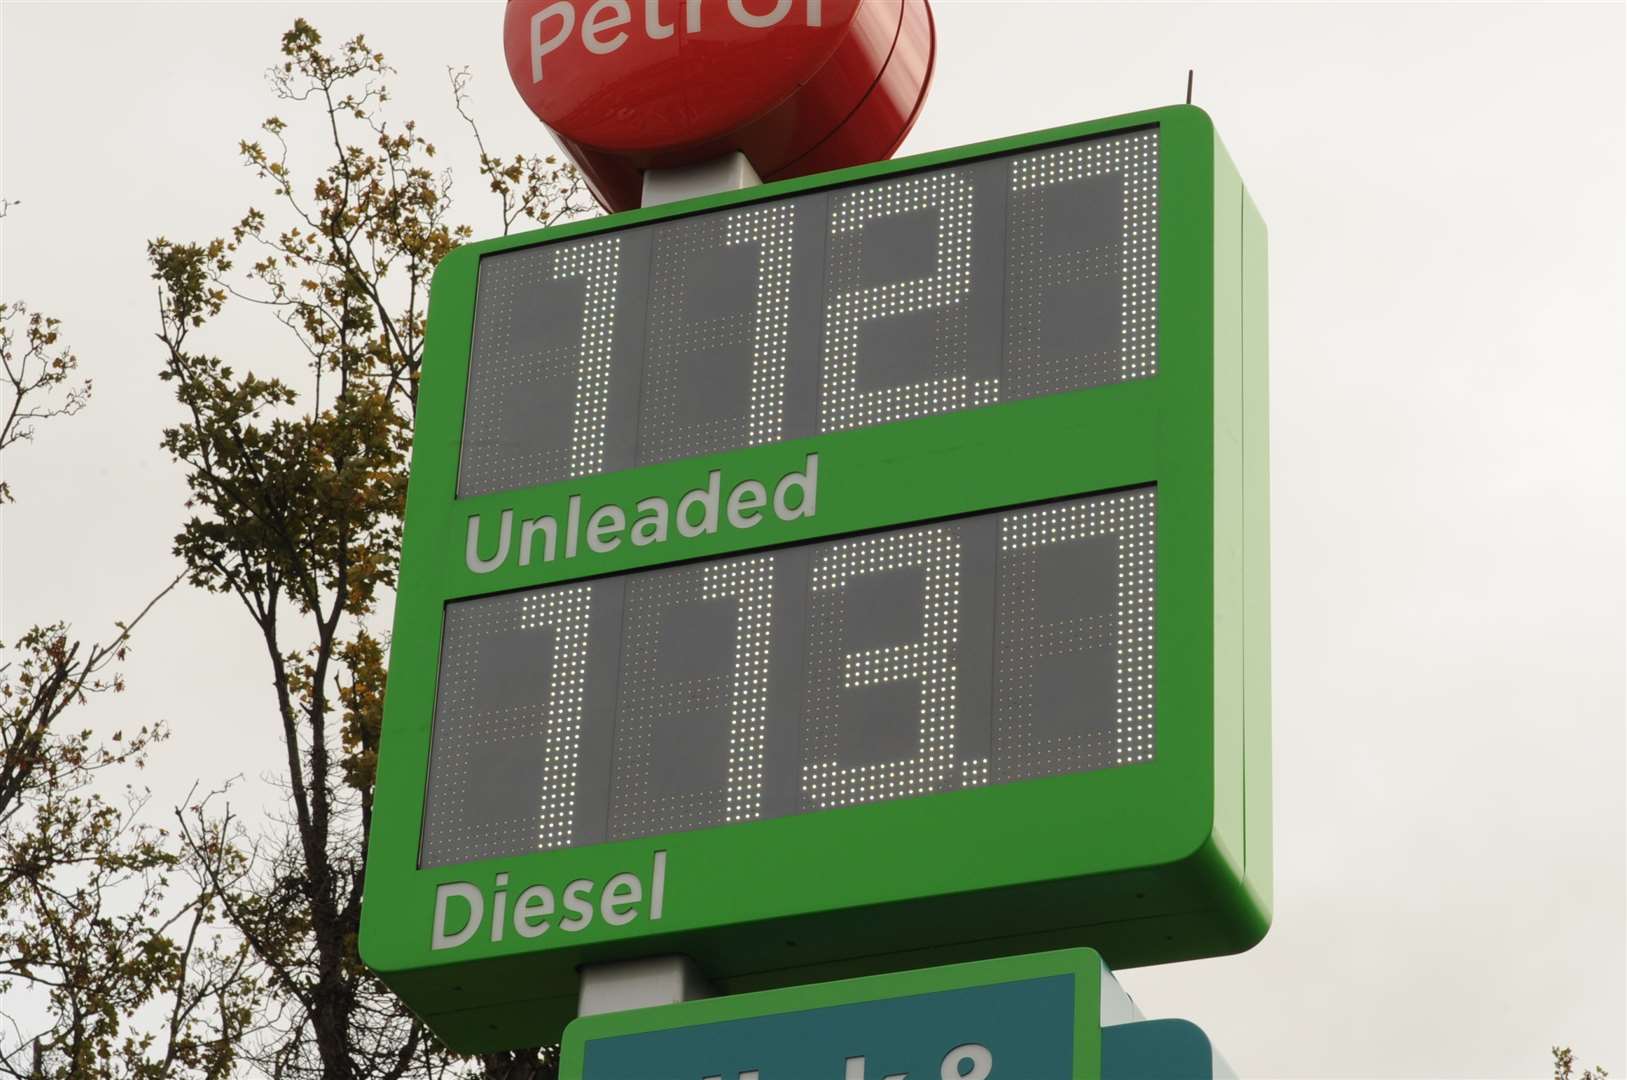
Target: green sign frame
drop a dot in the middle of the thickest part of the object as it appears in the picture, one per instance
(807, 1032)
(1154, 862)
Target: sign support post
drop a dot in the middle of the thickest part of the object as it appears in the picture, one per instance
(731, 172)
(640, 984)
(664, 980)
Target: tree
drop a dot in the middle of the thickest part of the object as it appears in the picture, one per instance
(297, 486)
(98, 911)
(39, 372)
(1565, 1066)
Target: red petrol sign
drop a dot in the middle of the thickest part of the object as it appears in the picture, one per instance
(797, 86)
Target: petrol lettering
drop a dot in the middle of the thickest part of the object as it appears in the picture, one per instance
(600, 29)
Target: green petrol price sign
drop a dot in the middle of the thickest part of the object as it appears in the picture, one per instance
(844, 575)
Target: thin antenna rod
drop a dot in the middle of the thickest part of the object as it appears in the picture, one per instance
(1189, 86)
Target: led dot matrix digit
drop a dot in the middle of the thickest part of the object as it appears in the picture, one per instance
(839, 672)
(685, 336)
(703, 647)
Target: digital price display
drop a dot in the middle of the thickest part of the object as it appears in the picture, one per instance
(834, 577)
(945, 289)
(979, 650)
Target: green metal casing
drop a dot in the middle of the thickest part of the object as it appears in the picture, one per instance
(1148, 863)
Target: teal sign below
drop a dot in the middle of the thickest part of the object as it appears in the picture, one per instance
(1009, 1029)
(1020, 1019)
(1160, 1050)
(1024, 1018)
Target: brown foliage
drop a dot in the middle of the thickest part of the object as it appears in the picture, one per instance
(297, 489)
(39, 374)
(100, 914)
(1565, 1067)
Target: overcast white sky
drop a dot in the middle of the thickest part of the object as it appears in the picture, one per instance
(1444, 188)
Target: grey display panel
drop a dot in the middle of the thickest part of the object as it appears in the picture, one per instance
(984, 649)
(945, 289)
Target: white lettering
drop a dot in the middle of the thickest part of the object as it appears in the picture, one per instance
(471, 549)
(440, 939)
(531, 914)
(855, 1071)
(808, 482)
(746, 503)
(653, 25)
(795, 495)
(604, 528)
(620, 894)
(528, 532)
(579, 905)
(653, 528)
(531, 911)
(982, 1063)
(540, 48)
(592, 24)
(737, 8)
(604, 16)
(707, 499)
(499, 908)
(573, 525)
(658, 886)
